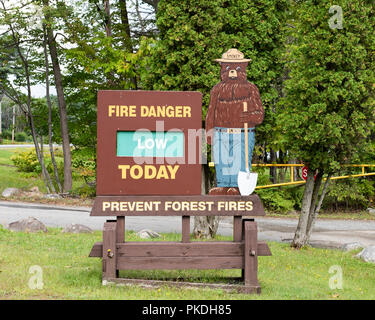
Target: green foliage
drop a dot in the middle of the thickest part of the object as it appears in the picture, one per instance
(85, 191)
(84, 161)
(350, 194)
(329, 108)
(6, 134)
(278, 200)
(27, 161)
(194, 33)
(20, 136)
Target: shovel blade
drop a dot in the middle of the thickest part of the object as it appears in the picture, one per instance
(247, 181)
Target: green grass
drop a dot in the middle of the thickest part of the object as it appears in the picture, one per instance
(359, 215)
(68, 273)
(11, 178)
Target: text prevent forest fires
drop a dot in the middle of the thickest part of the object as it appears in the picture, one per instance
(177, 206)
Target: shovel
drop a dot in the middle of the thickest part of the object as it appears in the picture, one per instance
(246, 180)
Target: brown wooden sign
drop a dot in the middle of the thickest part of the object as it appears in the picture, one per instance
(177, 206)
(149, 143)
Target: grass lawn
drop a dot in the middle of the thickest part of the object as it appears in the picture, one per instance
(11, 178)
(68, 273)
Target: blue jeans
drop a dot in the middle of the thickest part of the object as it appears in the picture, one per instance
(229, 155)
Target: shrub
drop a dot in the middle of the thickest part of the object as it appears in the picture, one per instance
(7, 134)
(349, 194)
(84, 161)
(278, 199)
(20, 136)
(27, 161)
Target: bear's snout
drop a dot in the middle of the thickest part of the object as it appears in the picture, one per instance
(233, 74)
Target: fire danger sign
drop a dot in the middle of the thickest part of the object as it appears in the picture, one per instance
(149, 142)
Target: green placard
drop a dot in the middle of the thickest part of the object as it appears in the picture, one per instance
(150, 144)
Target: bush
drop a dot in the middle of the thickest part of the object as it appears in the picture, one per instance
(20, 136)
(84, 161)
(278, 199)
(349, 194)
(26, 161)
(7, 134)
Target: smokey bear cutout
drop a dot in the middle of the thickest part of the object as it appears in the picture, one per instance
(234, 102)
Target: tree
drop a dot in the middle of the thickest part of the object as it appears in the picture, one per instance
(18, 31)
(53, 50)
(328, 111)
(194, 33)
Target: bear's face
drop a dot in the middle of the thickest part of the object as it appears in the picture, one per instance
(233, 71)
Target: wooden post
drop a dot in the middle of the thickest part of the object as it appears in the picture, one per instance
(120, 229)
(251, 257)
(185, 228)
(238, 234)
(237, 228)
(109, 250)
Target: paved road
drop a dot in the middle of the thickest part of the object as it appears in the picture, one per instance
(13, 146)
(327, 233)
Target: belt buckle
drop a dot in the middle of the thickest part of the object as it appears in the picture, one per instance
(234, 130)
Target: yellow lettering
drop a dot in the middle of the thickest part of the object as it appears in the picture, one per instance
(178, 112)
(144, 111)
(133, 170)
(150, 172)
(123, 169)
(111, 110)
(151, 111)
(132, 111)
(161, 112)
(170, 112)
(187, 112)
(162, 173)
(173, 170)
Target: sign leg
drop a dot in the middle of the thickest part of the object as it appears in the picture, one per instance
(251, 257)
(109, 250)
(185, 228)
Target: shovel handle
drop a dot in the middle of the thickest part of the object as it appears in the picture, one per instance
(246, 139)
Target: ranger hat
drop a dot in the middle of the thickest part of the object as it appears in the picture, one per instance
(232, 55)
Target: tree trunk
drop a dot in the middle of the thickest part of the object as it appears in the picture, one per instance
(107, 22)
(62, 104)
(273, 170)
(313, 216)
(49, 104)
(127, 35)
(1, 99)
(205, 227)
(46, 176)
(25, 64)
(300, 234)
